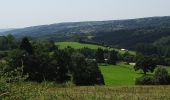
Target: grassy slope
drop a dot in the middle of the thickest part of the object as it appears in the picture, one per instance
(77, 45)
(120, 74)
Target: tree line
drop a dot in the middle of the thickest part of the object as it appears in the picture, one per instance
(46, 62)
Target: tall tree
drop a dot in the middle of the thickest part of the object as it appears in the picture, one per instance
(26, 45)
(11, 41)
(85, 72)
(63, 63)
(113, 57)
(127, 57)
(146, 64)
(100, 55)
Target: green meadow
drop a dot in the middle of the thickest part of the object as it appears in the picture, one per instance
(77, 45)
(120, 75)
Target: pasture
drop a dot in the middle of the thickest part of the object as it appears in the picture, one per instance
(120, 75)
(77, 45)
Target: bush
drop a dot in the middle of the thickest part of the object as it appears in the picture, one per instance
(144, 80)
(167, 61)
(4, 87)
(161, 76)
(3, 54)
(85, 72)
(11, 76)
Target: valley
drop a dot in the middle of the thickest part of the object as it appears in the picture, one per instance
(120, 59)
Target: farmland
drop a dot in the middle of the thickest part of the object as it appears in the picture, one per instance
(77, 45)
(120, 75)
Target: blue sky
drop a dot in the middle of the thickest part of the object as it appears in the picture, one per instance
(22, 13)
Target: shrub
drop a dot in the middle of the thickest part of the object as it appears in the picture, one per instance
(144, 80)
(167, 61)
(161, 76)
(4, 87)
(3, 54)
(12, 76)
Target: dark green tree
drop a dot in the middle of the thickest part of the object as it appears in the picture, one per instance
(63, 64)
(100, 55)
(26, 45)
(161, 76)
(127, 57)
(4, 43)
(16, 58)
(87, 52)
(146, 64)
(11, 41)
(78, 66)
(95, 75)
(113, 57)
(85, 72)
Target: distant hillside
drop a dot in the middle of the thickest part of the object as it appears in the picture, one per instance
(5, 30)
(89, 27)
(119, 33)
(130, 38)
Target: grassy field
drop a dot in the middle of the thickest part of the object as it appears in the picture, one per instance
(77, 45)
(35, 91)
(120, 75)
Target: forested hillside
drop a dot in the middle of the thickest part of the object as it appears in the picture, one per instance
(130, 38)
(117, 33)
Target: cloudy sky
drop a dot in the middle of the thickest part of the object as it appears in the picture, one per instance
(22, 13)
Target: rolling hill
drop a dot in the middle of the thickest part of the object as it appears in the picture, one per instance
(116, 33)
(5, 30)
(77, 45)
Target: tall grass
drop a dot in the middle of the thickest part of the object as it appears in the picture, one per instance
(48, 91)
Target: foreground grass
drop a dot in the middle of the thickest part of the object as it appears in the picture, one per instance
(119, 81)
(35, 91)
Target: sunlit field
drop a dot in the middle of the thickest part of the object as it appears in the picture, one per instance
(77, 45)
(121, 74)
